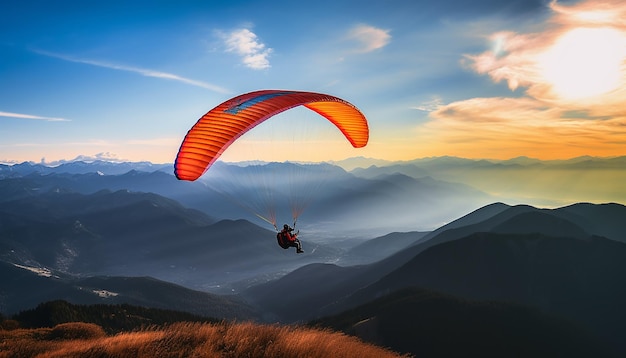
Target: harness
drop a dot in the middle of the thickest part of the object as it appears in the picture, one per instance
(283, 236)
(282, 240)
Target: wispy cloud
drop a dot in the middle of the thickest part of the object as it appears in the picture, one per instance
(245, 43)
(585, 13)
(104, 156)
(429, 106)
(30, 116)
(142, 71)
(369, 38)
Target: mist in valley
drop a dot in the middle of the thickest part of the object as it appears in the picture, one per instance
(89, 233)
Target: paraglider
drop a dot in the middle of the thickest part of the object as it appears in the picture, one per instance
(222, 125)
(214, 132)
(287, 238)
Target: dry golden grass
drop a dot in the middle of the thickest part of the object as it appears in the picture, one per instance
(185, 340)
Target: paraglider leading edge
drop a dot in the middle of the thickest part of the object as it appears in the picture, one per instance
(214, 132)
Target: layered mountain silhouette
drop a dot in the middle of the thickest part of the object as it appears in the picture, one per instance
(102, 167)
(126, 233)
(344, 202)
(379, 248)
(520, 254)
(25, 287)
(518, 180)
(90, 237)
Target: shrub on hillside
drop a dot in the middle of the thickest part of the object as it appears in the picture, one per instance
(9, 325)
(76, 330)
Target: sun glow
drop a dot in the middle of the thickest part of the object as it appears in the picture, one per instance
(585, 62)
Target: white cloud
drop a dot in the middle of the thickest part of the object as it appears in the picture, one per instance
(254, 54)
(30, 116)
(369, 38)
(142, 71)
(577, 59)
(570, 77)
(102, 156)
(40, 271)
(429, 106)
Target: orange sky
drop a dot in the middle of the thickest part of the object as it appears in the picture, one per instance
(572, 77)
(568, 89)
(474, 80)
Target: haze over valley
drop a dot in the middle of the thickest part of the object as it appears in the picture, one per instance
(100, 232)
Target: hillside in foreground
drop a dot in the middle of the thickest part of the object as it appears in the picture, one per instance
(185, 339)
(63, 329)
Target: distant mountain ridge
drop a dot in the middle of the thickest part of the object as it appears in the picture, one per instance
(81, 167)
(521, 180)
(342, 201)
(441, 161)
(531, 181)
(354, 164)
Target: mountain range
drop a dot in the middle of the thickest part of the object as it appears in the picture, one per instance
(520, 254)
(521, 180)
(93, 237)
(339, 200)
(142, 234)
(101, 167)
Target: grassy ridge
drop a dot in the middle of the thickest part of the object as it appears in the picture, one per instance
(184, 339)
(62, 329)
(112, 318)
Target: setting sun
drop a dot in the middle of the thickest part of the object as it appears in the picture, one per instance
(585, 62)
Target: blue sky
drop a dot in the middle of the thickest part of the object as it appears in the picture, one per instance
(483, 79)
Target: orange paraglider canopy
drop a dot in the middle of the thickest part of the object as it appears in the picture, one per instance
(222, 125)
